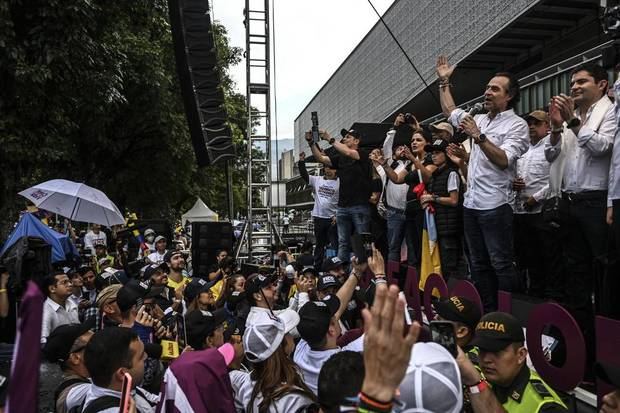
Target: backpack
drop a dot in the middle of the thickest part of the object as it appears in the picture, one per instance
(66, 384)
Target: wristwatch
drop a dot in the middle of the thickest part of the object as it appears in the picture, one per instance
(481, 138)
(573, 123)
(435, 198)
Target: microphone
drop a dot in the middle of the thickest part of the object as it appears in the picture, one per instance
(476, 109)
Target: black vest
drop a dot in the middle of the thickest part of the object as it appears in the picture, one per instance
(449, 220)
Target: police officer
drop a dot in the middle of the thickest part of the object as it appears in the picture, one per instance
(465, 315)
(499, 336)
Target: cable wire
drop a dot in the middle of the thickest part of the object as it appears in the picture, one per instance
(275, 105)
(427, 87)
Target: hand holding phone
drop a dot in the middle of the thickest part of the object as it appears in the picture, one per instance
(442, 333)
(126, 394)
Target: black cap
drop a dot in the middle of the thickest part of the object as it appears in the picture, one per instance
(310, 270)
(459, 309)
(437, 145)
(171, 253)
(234, 299)
(153, 269)
(130, 293)
(496, 331)
(60, 341)
(352, 132)
(196, 287)
(332, 263)
(314, 318)
(200, 324)
(256, 282)
(326, 281)
(610, 374)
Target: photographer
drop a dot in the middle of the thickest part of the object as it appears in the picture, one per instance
(215, 271)
(354, 172)
(500, 137)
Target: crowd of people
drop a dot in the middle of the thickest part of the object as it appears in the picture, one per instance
(520, 203)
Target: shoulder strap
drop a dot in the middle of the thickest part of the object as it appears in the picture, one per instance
(102, 403)
(66, 384)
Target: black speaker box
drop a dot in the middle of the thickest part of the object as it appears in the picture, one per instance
(207, 239)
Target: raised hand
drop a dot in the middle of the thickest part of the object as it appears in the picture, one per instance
(302, 156)
(555, 116)
(443, 69)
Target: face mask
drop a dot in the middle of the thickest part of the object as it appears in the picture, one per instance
(150, 238)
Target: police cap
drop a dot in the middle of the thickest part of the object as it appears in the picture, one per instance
(496, 331)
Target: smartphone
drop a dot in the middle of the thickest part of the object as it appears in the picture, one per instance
(314, 117)
(367, 240)
(181, 332)
(357, 245)
(126, 393)
(442, 333)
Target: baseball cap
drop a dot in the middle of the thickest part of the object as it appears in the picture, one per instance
(437, 145)
(256, 281)
(262, 338)
(352, 132)
(201, 324)
(234, 299)
(315, 317)
(497, 330)
(149, 231)
(151, 270)
(432, 383)
(130, 293)
(332, 263)
(107, 294)
(171, 253)
(309, 270)
(196, 287)
(326, 281)
(459, 309)
(608, 373)
(290, 271)
(60, 341)
(443, 126)
(539, 115)
(159, 238)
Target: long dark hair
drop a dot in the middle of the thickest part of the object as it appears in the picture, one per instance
(276, 377)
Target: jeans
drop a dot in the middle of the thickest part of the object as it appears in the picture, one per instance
(325, 235)
(395, 232)
(489, 237)
(348, 219)
(450, 253)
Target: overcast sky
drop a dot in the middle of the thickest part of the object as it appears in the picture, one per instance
(312, 39)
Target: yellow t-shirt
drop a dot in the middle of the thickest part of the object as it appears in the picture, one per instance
(174, 285)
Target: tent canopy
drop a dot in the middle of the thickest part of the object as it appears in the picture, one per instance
(200, 212)
(62, 247)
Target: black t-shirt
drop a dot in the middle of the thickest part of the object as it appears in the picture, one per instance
(413, 179)
(355, 178)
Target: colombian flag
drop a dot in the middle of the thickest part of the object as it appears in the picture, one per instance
(430, 262)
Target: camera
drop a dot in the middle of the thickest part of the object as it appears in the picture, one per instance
(315, 127)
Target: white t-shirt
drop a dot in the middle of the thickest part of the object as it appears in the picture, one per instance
(453, 181)
(156, 257)
(325, 193)
(91, 238)
(396, 194)
(243, 386)
(310, 361)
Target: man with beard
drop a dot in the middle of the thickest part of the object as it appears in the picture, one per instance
(500, 137)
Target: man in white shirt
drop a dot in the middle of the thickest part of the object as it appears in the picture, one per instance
(535, 242)
(319, 329)
(325, 193)
(583, 127)
(160, 250)
(396, 194)
(613, 196)
(499, 137)
(94, 236)
(110, 354)
(58, 310)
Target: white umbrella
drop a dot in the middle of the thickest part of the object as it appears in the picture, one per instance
(76, 201)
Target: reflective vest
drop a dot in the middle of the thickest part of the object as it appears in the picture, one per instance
(536, 395)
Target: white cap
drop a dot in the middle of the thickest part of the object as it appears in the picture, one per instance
(433, 382)
(263, 337)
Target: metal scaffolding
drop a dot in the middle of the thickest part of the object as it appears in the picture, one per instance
(257, 240)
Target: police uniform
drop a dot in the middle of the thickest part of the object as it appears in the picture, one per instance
(528, 393)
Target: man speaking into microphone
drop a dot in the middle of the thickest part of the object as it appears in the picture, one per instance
(500, 137)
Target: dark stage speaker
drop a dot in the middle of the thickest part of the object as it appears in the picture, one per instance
(207, 238)
(203, 98)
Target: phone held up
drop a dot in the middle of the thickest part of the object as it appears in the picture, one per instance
(126, 393)
(362, 246)
(442, 333)
(315, 127)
